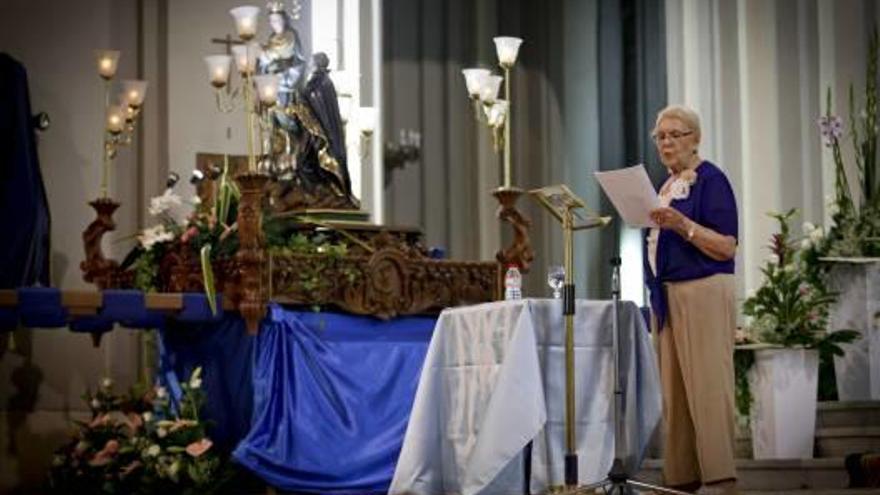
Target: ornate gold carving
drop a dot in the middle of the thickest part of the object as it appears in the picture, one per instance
(397, 278)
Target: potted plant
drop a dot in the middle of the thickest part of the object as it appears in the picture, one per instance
(851, 250)
(788, 318)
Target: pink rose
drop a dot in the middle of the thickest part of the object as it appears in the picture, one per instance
(106, 454)
(189, 234)
(196, 449)
(130, 468)
(134, 421)
(101, 420)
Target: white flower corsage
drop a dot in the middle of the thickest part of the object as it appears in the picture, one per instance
(681, 186)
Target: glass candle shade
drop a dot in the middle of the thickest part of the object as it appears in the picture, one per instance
(246, 57)
(218, 69)
(107, 61)
(115, 119)
(366, 119)
(507, 49)
(133, 92)
(246, 21)
(267, 88)
(489, 89)
(473, 79)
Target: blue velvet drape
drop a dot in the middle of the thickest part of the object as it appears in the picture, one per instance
(331, 393)
(332, 397)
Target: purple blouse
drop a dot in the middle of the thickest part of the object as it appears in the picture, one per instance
(711, 203)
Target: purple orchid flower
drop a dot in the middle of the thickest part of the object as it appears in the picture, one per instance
(831, 128)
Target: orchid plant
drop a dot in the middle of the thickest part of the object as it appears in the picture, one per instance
(856, 219)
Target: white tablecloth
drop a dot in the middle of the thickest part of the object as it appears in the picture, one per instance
(494, 379)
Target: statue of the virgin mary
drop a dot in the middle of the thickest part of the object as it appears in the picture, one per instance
(307, 148)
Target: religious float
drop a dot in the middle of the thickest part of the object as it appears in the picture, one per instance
(281, 223)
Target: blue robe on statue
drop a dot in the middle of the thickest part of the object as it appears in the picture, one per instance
(24, 210)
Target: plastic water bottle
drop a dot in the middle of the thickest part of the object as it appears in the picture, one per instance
(512, 283)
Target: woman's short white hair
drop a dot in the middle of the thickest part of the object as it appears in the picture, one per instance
(687, 115)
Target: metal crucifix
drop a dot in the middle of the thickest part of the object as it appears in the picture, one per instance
(228, 41)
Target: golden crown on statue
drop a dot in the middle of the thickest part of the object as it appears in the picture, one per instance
(277, 7)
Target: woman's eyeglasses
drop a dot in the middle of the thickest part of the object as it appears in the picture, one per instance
(674, 135)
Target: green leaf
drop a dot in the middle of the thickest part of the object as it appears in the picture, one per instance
(208, 278)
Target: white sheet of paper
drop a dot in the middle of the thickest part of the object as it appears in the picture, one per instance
(632, 194)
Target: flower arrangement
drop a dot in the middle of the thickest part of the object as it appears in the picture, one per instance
(791, 307)
(140, 443)
(856, 219)
(208, 230)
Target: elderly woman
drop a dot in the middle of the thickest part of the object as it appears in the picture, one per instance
(689, 271)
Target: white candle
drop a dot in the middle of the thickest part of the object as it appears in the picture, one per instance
(115, 119)
(107, 63)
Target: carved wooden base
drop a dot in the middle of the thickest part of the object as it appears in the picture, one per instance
(520, 252)
(251, 263)
(96, 268)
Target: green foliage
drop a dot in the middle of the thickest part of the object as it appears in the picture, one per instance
(328, 254)
(208, 274)
(146, 269)
(791, 307)
(742, 363)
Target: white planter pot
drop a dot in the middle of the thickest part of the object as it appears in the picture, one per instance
(784, 383)
(857, 308)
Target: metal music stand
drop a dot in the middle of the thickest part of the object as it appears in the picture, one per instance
(563, 204)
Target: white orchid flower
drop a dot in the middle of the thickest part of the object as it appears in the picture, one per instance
(154, 235)
(164, 203)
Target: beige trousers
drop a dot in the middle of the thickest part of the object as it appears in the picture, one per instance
(695, 351)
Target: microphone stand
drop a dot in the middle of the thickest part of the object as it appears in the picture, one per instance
(618, 480)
